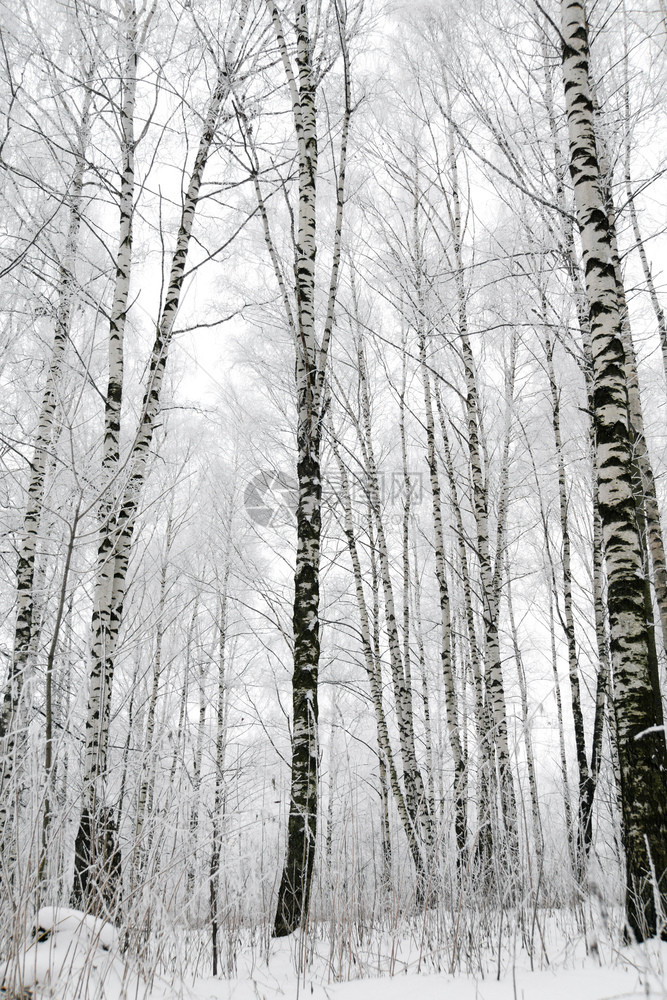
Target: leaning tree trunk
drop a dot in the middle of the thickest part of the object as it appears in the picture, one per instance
(192, 886)
(148, 763)
(446, 652)
(408, 718)
(426, 814)
(553, 601)
(641, 742)
(89, 870)
(428, 729)
(26, 627)
(119, 529)
(567, 806)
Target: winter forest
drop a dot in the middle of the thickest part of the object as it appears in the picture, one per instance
(333, 498)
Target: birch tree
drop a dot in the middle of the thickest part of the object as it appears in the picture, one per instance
(303, 71)
(640, 732)
(118, 521)
(44, 443)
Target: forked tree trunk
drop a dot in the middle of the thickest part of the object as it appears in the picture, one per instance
(92, 830)
(641, 738)
(118, 527)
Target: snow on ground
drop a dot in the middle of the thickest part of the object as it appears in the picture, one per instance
(70, 956)
(637, 973)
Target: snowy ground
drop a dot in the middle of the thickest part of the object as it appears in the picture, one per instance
(637, 972)
(77, 958)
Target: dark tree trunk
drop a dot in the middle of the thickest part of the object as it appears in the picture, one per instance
(97, 864)
(293, 895)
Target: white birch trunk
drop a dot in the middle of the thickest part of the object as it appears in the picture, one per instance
(116, 542)
(370, 662)
(636, 232)
(451, 707)
(641, 748)
(26, 627)
(221, 715)
(414, 787)
(494, 684)
(586, 787)
(310, 375)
